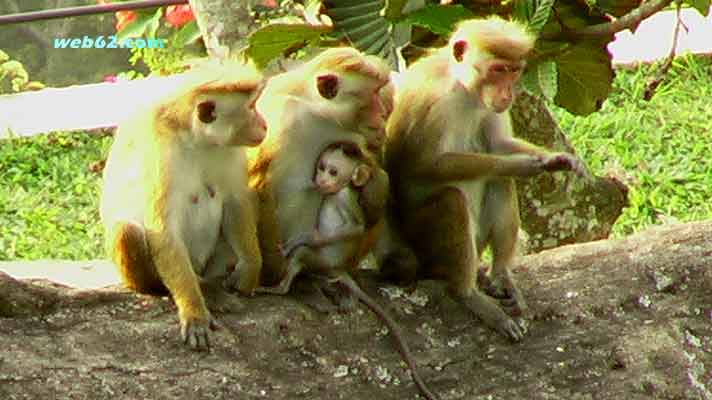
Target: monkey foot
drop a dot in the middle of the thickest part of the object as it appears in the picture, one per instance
(219, 300)
(492, 315)
(503, 289)
(194, 332)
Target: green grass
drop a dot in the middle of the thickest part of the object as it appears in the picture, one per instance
(662, 149)
(49, 197)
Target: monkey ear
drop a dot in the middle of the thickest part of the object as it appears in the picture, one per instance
(361, 175)
(458, 50)
(328, 85)
(206, 111)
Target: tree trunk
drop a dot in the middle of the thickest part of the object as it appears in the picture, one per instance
(224, 25)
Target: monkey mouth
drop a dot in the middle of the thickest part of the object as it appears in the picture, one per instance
(260, 121)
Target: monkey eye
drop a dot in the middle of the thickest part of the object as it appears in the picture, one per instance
(206, 112)
(321, 166)
(332, 172)
(500, 68)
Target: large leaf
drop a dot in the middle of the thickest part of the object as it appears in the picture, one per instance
(541, 79)
(703, 6)
(271, 41)
(361, 24)
(439, 19)
(585, 77)
(534, 13)
(542, 11)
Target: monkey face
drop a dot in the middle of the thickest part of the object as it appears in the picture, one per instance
(355, 100)
(333, 171)
(498, 79)
(228, 119)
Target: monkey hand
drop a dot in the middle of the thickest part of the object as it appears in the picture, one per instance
(561, 162)
(194, 331)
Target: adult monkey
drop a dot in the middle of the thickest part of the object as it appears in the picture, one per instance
(175, 187)
(451, 158)
(334, 98)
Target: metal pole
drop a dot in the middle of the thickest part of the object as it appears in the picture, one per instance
(85, 10)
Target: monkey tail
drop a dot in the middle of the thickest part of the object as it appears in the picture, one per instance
(348, 282)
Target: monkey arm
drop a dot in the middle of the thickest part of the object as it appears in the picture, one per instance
(457, 166)
(316, 239)
(498, 128)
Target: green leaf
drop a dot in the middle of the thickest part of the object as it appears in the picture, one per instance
(187, 34)
(703, 6)
(585, 77)
(439, 19)
(271, 41)
(361, 25)
(542, 79)
(153, 25)
(523, 10)
(541, 15)
(137, 27)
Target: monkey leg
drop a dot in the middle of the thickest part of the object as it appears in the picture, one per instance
(344, 300)
(444, 233)
(217, 299)
(500, 222)
(296, 265)
(130, 252)
(174, 266)
(396, 260)
(239, 229)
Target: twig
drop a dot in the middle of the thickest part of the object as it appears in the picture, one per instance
(627, 21)
(660, 76)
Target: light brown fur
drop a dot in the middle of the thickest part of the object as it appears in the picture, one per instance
(305, 118)
(451, 157)
(175, 190)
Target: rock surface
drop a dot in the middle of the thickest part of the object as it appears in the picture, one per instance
(561, 208)
(624, 319)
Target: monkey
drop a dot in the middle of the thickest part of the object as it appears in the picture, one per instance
(451, 158)
(344, 215)
(327, 250)
(334, 98)
(175, 188)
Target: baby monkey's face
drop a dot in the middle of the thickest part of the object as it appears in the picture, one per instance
(333, 171)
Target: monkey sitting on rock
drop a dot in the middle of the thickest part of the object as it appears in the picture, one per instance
(328, 251)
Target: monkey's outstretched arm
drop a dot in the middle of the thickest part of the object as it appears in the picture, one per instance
(457, 166)
(498, 127)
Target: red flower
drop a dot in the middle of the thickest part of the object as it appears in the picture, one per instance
(123, 18)
(178, 16)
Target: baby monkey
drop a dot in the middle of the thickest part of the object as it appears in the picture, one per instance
(331, 250)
